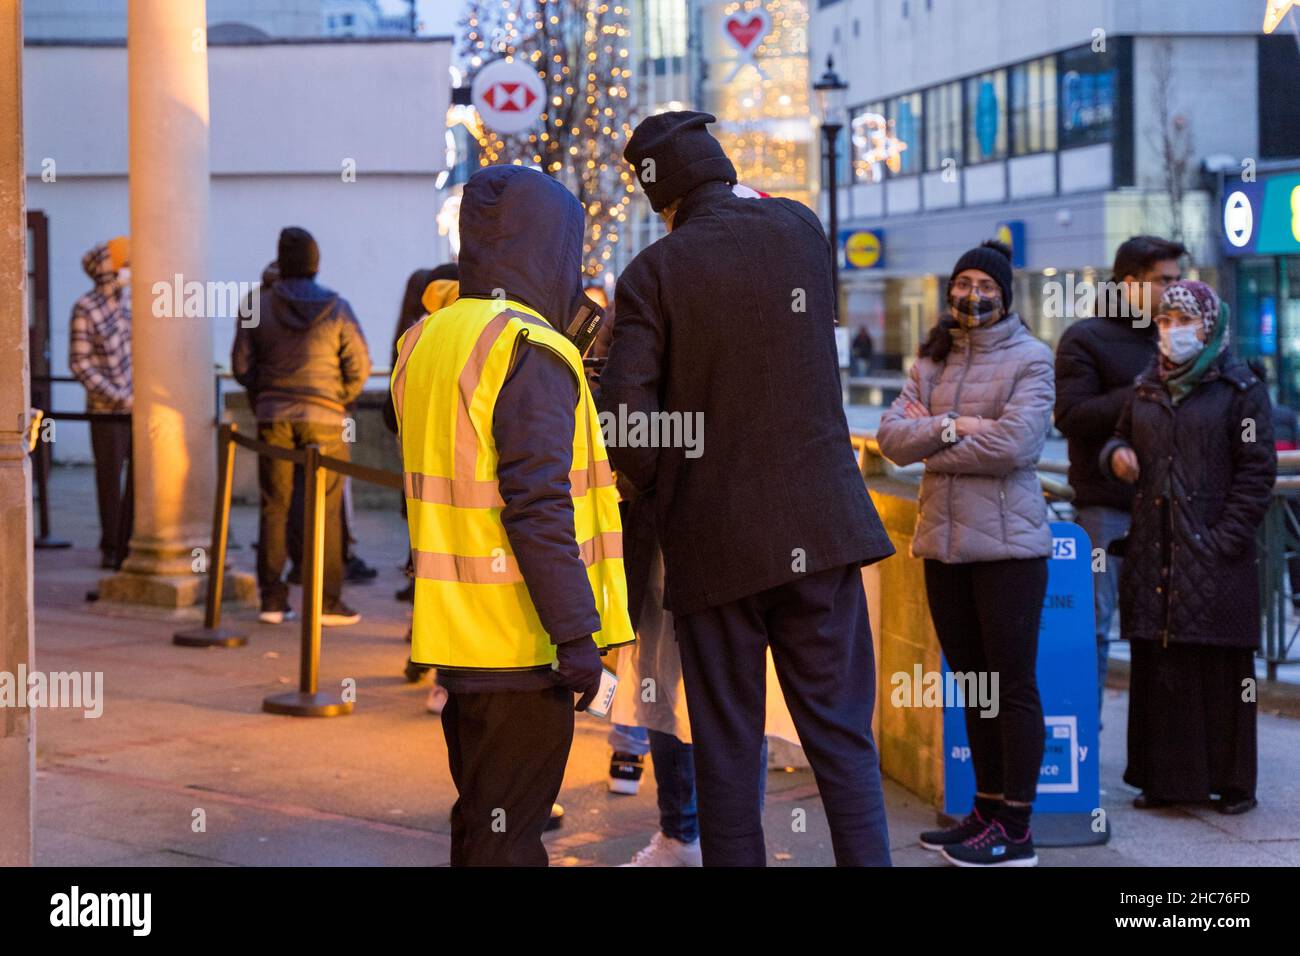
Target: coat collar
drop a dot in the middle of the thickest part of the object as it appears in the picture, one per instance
(701, 197)
(989, 337)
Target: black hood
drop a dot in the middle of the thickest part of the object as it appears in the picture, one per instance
(521, 232)
(300, 301)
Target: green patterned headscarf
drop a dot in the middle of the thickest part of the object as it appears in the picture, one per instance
(1194, 299)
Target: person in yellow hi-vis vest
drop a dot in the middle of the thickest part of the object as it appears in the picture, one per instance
(513, 515)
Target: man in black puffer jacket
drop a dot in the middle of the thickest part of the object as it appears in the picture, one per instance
(765, 521)
(303, 362)
(1097, 361)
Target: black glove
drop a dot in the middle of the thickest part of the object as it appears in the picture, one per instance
(577, 667)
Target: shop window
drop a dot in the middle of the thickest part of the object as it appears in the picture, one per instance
(986, 116)
(905, 116)
(943, 119)
(1087, 82)
(1033, 107)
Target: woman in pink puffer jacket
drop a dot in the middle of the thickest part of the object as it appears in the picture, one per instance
(976, 409)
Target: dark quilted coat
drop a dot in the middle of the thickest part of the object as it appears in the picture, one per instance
(1190, 571)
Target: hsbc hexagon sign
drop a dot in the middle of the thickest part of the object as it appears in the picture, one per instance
(509, 96)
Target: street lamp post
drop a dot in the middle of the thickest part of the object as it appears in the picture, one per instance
(830, 91)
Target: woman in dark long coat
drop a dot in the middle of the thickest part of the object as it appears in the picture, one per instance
(1197, 439)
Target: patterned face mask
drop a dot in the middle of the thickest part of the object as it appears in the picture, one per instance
(974, 310)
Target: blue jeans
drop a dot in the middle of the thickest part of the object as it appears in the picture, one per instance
(629, 740)
(674, 764)
(1104, 525)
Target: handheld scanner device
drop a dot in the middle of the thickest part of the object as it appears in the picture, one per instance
(584, 325)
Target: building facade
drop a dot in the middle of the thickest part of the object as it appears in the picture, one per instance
(368, 184)
(1066, 128)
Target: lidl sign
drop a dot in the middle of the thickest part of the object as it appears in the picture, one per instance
(1261, 218)
(863, 248)
(1012, 232)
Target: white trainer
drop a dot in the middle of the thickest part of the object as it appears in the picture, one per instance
(663, 850)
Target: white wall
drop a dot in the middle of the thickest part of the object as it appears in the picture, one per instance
(106, 19)
(284, 118)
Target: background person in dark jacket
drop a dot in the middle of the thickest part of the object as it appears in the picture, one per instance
(1097, 362)
(303, 363)
(732, 316)
(1197, 441)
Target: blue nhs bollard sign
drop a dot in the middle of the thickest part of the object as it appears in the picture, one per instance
(1069, 779)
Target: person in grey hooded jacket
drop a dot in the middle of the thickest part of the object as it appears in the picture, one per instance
(976, 409)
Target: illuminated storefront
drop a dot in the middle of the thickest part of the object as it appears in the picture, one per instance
(758, 85)
(1259, 233)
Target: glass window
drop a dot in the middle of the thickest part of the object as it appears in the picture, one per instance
(906, 114)
(866, 125)
(1033, 107)
(943, 126)
(1087, 83)
(986, 117)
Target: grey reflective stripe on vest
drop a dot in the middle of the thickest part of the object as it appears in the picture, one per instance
(466, 491)
(503, 568)
(471, 493)
(466, 452)
(399, 367)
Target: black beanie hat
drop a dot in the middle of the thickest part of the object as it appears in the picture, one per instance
(994, 258)
(298, 255)
(682, 154)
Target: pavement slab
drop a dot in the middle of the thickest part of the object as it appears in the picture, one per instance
(184, 769)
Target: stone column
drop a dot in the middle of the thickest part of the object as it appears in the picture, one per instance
(17, 733)
(173, 433)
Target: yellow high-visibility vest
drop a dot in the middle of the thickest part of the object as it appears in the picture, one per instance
(472, 606)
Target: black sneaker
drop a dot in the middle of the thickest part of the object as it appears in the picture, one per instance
(973, 825)
(406, 594)
(625, 773)
(277, 615)
(992, 847)
(338, 616)
(357, 571)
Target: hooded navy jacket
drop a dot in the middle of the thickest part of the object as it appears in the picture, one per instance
(521, 239)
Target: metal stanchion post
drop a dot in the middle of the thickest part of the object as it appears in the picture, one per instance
(41, 478)
(307, 701)
(212, 634)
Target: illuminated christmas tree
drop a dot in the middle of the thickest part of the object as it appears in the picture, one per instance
(580, 51)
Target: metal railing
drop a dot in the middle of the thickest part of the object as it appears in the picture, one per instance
(1278, 537)
(308, 700)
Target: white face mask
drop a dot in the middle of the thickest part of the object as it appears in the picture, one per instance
(1179, 343)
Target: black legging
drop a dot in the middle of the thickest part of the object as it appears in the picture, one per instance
(987, 615)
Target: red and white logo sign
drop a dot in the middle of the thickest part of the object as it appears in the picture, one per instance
(508, 96)
(745, 29)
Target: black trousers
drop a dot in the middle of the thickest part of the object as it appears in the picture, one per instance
(507, 752)
(987, 615)
(820, 637)
(110, 443)
(275, 481)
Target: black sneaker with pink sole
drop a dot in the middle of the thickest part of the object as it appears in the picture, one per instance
(993, 847)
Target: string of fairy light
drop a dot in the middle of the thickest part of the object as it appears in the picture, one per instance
(580, 51)
(767, 153)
